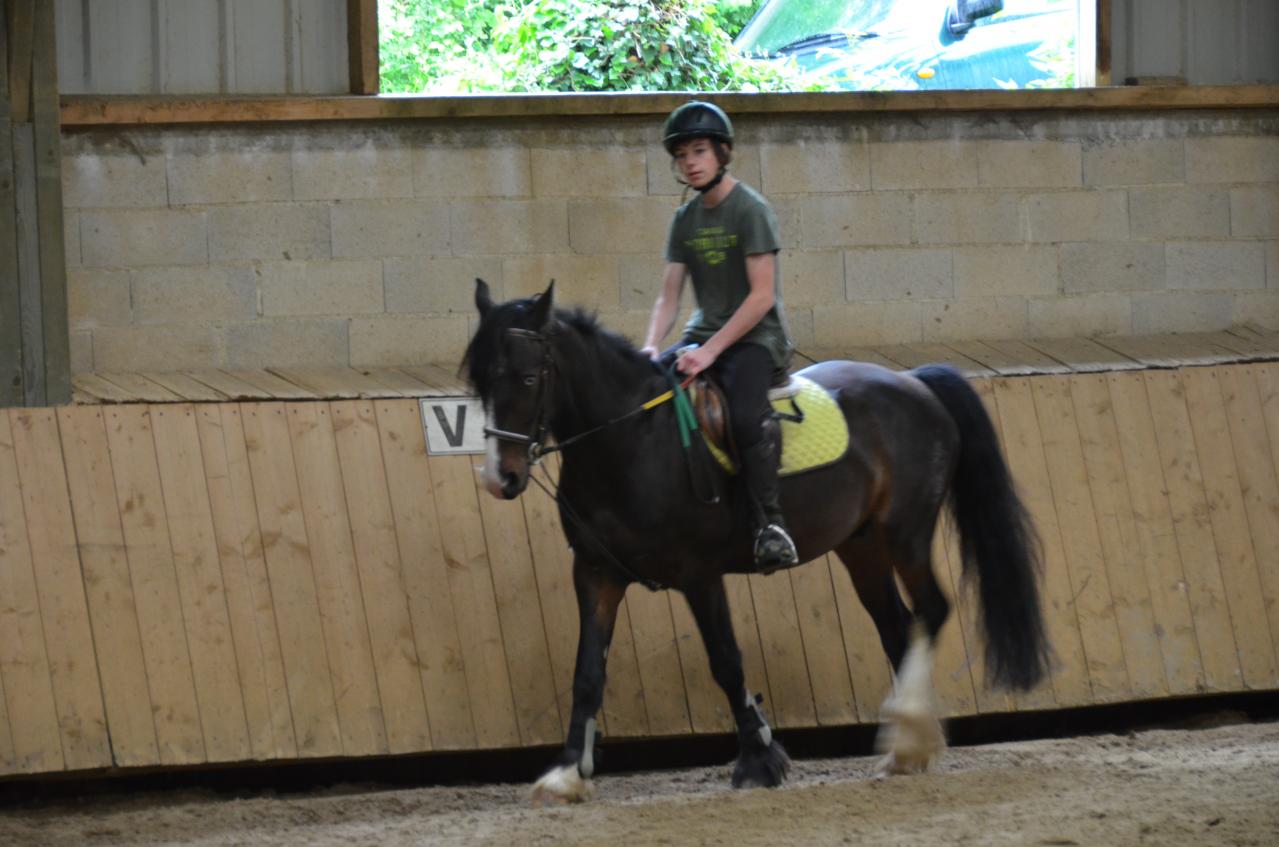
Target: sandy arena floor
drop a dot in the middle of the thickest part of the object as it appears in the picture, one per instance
(1160, 787)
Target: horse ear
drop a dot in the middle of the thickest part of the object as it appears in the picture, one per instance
(542, 306)
(483, 300)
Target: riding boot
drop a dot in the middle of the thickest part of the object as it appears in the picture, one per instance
(773, 545)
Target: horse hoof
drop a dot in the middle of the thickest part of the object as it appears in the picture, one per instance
(911, 742)
(895, 765)
(764, 767)
(559, 786)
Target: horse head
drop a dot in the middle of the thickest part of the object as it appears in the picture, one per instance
(509, 363)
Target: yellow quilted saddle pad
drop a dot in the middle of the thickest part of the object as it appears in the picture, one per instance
(819, 440)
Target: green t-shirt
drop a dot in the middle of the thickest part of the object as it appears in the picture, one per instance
(713, 244)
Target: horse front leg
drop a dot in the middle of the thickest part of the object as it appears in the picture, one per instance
(569, 780)
(761, 761)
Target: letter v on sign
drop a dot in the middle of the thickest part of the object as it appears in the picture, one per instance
(453, 425)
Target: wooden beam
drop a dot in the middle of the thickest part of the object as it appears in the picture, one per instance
(35, 359)
(21, 43)
(11, 382)
(1102, 48)
(85, 111)
(362, 45)
(27, 215)
(47, 137)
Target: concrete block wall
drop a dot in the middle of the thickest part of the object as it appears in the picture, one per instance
(358, 243)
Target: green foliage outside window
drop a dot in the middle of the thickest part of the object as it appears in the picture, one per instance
(464, 46)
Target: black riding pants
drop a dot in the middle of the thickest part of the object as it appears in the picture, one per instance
(745, 372)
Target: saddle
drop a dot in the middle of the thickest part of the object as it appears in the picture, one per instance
(814, 432)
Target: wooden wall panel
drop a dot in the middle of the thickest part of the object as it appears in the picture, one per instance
(833, 699)
(1024, 446)
(708, 709)
(381, 581)
(249, 601)
(1157, 547)
(199, 570)
(552, 572)
(868, 667)
(790, 700)
(24, 659)
(8, 755)
(1193, 525)
(625, 707)
(1108, 483)
(293, 592)
(1205, 42)
(471, 584)
(658, 660)
(1081, 543)
(952, 673)
(1235, 551)
(64, 613)
(140, 500)
(528, 660)
(417, 532)
(337, 583)
(1267, 377)
(1257, 481)
(108, 586)
(119, 37)
(188, 45)
(283, 580)
(203, 47)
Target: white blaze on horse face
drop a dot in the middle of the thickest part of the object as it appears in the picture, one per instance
(492, 475)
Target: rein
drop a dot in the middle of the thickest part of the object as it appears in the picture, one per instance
(539, 449)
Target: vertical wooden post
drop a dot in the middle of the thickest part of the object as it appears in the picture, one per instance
(1103, 43)
(362, 45)
(34, 339)
(10, 329)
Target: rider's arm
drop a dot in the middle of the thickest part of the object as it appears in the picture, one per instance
(666, 307)
(759, 273)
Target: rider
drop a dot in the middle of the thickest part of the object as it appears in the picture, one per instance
(726, 239)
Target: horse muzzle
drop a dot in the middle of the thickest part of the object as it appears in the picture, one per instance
(511, 484)
(505, 471)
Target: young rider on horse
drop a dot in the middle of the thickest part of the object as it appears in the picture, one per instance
(726, 239)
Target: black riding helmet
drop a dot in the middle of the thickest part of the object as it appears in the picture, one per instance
(696, 119)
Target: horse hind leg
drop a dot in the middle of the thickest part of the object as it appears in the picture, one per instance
(910, 734)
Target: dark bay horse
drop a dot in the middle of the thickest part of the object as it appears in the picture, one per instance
(631, 514)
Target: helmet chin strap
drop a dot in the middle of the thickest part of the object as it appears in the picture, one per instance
(714, 182)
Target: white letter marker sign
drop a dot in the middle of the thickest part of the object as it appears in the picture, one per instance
(453, 424)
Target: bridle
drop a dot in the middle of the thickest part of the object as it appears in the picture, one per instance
(535, 440)
(538, 448)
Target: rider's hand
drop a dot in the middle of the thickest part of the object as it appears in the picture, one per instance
(695, 361)
(652, 352)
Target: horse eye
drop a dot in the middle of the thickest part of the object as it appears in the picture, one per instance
(530, 380)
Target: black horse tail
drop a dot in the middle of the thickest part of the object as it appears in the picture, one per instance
(997, 538)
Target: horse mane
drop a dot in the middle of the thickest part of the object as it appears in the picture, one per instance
(587, 325)
(484, 350)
